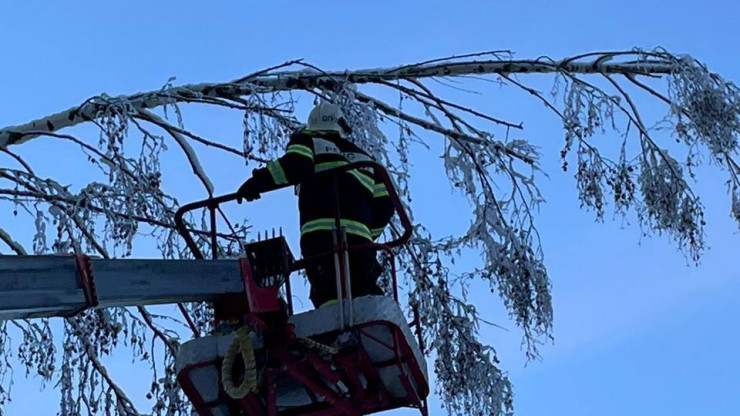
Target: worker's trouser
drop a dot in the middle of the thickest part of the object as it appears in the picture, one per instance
(363, 266)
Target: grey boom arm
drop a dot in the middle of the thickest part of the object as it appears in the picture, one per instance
(45, 286)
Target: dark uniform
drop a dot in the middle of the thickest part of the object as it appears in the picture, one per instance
(364, 205)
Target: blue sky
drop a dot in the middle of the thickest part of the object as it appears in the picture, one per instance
(637, 331)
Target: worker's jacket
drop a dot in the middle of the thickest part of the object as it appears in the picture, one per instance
(365, 207)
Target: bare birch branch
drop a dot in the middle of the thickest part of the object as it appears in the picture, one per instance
(301, 80)
(14, 245)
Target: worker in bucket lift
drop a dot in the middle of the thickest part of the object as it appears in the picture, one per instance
(365, 207)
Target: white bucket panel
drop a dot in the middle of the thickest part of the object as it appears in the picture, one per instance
(310, 324)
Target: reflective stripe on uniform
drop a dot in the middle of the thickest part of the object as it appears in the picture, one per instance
(320, 167)
(300, 150)
(277, 173)
(380, 190)
(376, 232)
(364, 179)
(327, 224)
(356, 228)
(321, 224)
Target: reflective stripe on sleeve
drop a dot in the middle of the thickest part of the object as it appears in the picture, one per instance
(376, 232)
(380, 190)
(277, 173)
(300, 150)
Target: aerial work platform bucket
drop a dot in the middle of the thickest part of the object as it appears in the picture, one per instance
(353, 358)
(377, 365)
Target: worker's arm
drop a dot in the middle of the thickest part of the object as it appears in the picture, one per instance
(289, 169)
(383, 208)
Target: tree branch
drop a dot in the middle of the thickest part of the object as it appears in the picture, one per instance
(14, 245)
(303, 80)
(394, 112)
(126, 405)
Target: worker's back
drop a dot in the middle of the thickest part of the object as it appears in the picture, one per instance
(345, 198)
(337, 207)
(350, 193)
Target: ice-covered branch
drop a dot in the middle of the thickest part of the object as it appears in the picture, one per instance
(183, 143)
(634, 63)
(454, 134)
(14, 245)
(124, 405)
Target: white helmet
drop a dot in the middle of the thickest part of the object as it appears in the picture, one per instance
(328, 117)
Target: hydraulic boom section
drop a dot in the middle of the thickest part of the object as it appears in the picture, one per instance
(46, 286)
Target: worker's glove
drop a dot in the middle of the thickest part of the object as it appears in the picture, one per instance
(247, 191)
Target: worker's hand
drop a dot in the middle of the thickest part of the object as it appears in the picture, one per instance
(247, 191)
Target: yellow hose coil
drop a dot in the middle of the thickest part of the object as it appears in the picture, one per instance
(242, 344)
(308, 342)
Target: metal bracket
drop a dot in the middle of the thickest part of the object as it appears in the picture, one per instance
(86, 281)
(260, 299)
